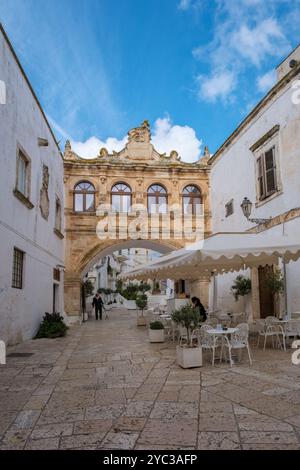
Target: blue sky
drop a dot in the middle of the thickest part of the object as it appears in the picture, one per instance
(193, 68)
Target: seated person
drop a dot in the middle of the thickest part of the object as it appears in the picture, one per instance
(198, 305)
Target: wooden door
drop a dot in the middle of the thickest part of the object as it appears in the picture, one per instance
(266, 297)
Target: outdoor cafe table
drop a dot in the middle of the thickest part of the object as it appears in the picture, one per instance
(220, 333)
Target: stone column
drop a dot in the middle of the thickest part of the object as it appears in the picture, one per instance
(72, 297)
(200, 288)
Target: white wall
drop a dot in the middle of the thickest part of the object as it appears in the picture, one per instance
(21, 123)
(233, 177)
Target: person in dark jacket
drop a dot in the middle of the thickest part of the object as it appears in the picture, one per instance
(199, 307)
(98, 304)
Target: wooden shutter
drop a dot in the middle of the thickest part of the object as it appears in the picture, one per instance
(260, 177)
(270, 171)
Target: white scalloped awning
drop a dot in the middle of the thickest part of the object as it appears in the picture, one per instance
(224, 252)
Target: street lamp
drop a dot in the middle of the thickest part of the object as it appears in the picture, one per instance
(246, 208)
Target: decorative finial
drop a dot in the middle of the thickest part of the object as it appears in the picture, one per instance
(146, 124)
(68, 147)
(206, 153)
(103, 152)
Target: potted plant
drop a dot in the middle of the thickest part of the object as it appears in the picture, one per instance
(241, 288)
(141, 303)
(156, 332)
(275, 283)
(188, 355)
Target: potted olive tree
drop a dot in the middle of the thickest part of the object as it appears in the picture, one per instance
(141, 303)
(275, 283)
(156, 332)
(188, 354)
(242, 288)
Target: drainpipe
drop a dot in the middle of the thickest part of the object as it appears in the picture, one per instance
(285, 287)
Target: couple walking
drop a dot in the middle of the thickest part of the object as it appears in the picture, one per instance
(98, 305)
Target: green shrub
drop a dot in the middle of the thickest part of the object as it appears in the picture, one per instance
(52, 326)
(156, 325)
(144, 287)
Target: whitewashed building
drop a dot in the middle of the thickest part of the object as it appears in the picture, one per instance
(261, 161)
(31, 206)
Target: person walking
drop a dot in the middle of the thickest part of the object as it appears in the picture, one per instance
(98, 304)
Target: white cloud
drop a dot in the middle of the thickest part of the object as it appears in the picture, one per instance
(256, 43)
(183, 139)
(219, 85)
(90, 148)
(165, 137)
(266, 81)
(246, 33)
(184, 4)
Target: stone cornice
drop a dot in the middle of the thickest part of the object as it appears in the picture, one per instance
(134, 166)
(277, 220)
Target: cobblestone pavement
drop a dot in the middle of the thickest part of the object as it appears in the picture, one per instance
(105, 386)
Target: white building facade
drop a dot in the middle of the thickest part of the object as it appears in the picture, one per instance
(31, 207)
(261, 161)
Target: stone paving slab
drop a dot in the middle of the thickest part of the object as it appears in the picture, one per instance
(97, 389)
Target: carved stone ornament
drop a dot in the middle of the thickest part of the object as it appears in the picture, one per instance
(44, 198)
(103, 179)
(140, 134)
(174, 155)
(103, 152)
(140, 181)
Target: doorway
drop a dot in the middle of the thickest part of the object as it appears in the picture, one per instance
(266, 297)
(55, 302)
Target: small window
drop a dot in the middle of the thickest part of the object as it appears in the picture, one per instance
(121, 197)
(58, 215)
(18, 263)
(22, 183)
(266, 174)
(84, 197)
(157, 199)
(192, 200)
(229, 208)
(56, 274)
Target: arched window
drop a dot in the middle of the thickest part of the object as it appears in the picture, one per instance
(191, 200)
(157, 199)
(121, 197)
(84, 197)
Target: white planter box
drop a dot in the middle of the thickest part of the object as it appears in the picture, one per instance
(141, 321)
(189, 357)
(156, 336)
(130, 304)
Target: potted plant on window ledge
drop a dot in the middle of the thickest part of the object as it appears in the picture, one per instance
(156, 332)
(141, 303)
(188, 354)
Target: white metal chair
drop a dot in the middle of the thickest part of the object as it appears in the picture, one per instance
(268, 328)
(207, 340)
(182, 334)
(212, 322)
(239, 340)
(292, 329)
